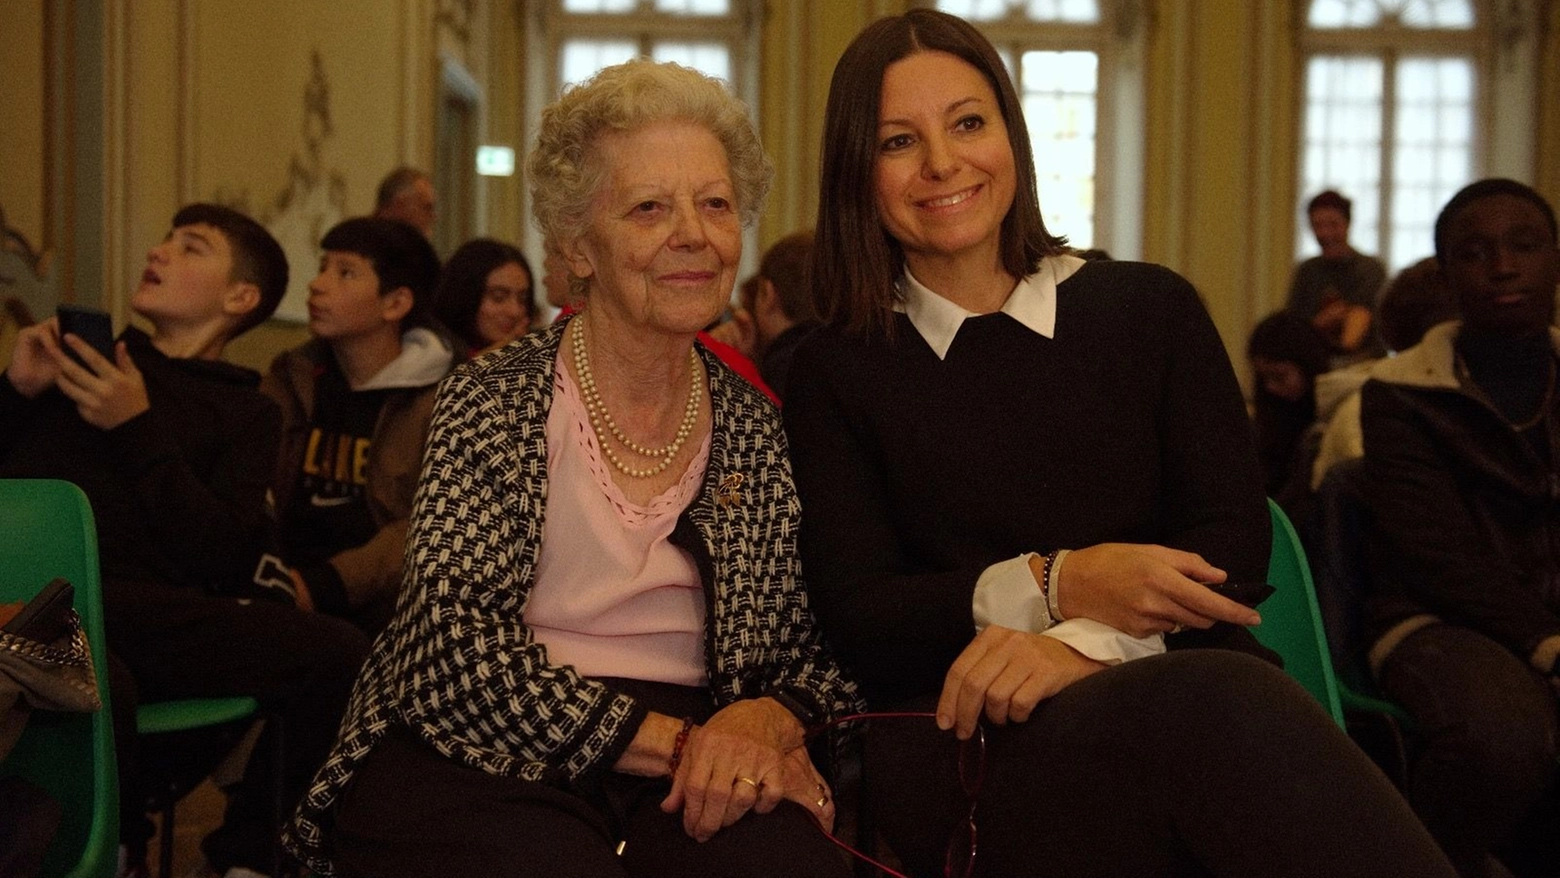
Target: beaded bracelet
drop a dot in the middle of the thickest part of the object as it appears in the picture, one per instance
(1045, 577)
(677, 747)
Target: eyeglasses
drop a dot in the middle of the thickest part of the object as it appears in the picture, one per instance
(959, 859)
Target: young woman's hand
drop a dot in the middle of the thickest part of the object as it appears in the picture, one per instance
(1145, 589)
(1005, 673)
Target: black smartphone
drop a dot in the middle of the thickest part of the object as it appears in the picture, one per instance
(93, 327)
(46, 618)
(1247, 593)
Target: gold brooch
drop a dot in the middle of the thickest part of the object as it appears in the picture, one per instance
(730, 490)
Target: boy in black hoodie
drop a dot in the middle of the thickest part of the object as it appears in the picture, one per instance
(174, 449)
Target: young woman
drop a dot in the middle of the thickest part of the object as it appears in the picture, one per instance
(485, 295)
(980, 403)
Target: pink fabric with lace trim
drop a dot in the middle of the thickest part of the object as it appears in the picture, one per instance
(613, 597)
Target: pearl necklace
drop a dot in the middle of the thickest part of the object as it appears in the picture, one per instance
(599, 414)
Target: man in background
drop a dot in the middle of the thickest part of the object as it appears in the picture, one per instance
(406, 194)
(1336, 291)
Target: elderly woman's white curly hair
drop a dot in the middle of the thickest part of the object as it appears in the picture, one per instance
(565, 166)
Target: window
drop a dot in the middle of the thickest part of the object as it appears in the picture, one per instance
(591, 34)
(572, 39)
(1392, 105)
(1084, 118)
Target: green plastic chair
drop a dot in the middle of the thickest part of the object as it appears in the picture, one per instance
(161, 717)
(47, 530)
(1292, 621)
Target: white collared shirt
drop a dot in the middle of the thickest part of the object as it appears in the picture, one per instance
(1006, 593)
(1032, 303)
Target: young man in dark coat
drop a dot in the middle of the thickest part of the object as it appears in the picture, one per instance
(174, 449)
(1462, 460)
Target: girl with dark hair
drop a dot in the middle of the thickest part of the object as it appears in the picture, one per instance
(485, 295)
(1017, 471)
(1286, 355)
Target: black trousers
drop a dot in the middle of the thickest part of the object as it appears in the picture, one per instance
(1194, 763)
(411, 812)
(1485, 774)
(169, 644)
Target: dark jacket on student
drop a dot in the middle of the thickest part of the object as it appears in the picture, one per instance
(178, 492)
(1465, 513)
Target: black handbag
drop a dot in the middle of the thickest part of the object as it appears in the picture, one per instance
(45, 662)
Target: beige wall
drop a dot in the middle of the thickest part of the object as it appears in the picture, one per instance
(291, 111)
(22, 190)
(1547, 179)
(1221, 167)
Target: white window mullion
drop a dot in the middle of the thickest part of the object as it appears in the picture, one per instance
(1389, 142)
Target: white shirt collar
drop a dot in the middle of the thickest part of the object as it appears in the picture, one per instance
(1032, 303)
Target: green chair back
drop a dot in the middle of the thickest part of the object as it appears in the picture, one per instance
(1292, 621)
(47, 530)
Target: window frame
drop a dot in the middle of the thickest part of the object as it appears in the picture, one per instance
(1390, 42)
(1118, 40)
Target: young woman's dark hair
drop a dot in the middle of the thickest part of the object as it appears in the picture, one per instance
(464, 281)
(1281, 423)
(856, 263)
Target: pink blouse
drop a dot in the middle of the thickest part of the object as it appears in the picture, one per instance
(613, 597)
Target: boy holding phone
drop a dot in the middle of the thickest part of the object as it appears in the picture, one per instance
(174, 448)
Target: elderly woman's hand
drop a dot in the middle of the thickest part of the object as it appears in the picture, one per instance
(1145, 589)
(732, 762)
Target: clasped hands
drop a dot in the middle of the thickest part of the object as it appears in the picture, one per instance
(1135, 588)
(750, 756)
(106, 394)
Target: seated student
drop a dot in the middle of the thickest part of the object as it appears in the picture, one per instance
(356, 401)
(1286, 356)
(484, 295)
(174, 449)
(1462, 455)
(777, 309)
(1414, 301)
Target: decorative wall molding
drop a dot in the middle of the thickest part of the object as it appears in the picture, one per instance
(313, 199)
(26, 290)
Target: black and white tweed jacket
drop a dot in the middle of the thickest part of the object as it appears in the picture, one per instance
(458, 665)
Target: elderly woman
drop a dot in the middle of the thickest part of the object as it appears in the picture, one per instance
(485, 296)
(1018, 470)
(603, 662)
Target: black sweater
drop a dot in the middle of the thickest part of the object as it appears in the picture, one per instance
(916, 473)
(178, 492)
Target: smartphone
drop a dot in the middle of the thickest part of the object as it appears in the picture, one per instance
(46, 618)
(1246, 593)
(93, 327)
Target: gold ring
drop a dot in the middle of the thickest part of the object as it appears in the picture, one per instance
(1178, 628)
(747, 780)
(823, 801)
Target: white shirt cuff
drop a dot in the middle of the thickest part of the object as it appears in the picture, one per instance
(1105, 644)
(1006, 594)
